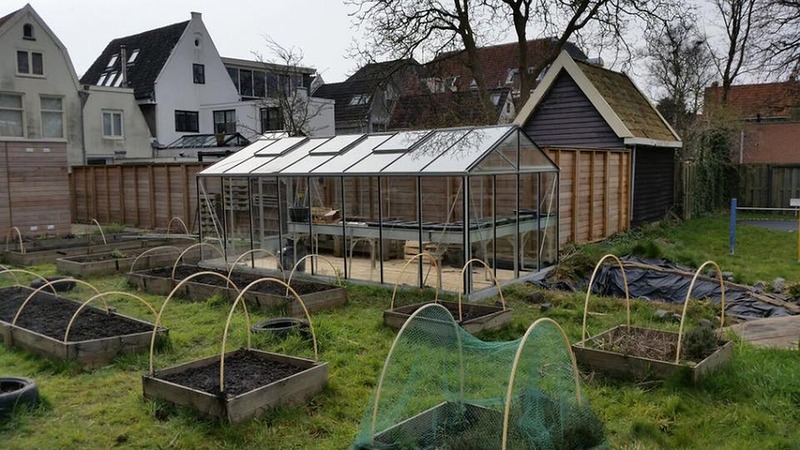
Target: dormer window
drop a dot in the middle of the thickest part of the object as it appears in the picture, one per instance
(112, 61)
(134, 55)
(359, 99)
(27, 32)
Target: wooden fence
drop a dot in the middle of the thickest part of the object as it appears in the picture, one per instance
(768, 186)
(137, 195)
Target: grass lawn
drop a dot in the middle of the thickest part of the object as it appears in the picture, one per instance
(752, 403)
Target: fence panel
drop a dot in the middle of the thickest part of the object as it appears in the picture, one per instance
(768, 186)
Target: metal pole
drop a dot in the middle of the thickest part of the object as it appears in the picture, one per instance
(380, 226)
(419, 228)
(250, 215)
(279, 263)
(732, 234)
(344, 230)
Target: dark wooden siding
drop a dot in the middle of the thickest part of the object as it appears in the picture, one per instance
(566, 118)
(654, 178)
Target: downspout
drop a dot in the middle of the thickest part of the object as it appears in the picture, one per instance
(633, 185)
(741, 147)
(83, 95)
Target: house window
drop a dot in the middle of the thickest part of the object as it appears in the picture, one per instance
(187, 121)
(27, 32)
(225, 121)
(246, 83)
(234, 74)
(52, 117)
(29, 63)
(11, 113)
(112, 61)
(271, 119)
(199, 73)
(259, 83)
(359, 99)
(272, 85)
(112, 124)
(134, 55)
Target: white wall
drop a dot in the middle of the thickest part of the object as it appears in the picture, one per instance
(174, 87)
(321, 122)
(135, 141)
(59, 79)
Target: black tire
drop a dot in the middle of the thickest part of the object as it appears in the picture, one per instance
(16, 391)
(282, 326)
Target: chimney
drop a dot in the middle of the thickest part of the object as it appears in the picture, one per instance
(197, 15)
(123, 65)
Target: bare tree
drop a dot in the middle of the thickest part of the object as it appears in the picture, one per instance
(290, 93)
(745, 26)
(680, 65)
(781, 53)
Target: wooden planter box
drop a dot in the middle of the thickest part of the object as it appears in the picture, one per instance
(485, 317)
(74, 265)
(34, 256)
(294, 389)
(636, 367)
(90, 353)
(330, 298)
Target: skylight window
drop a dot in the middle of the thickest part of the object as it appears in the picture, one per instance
(110, 80)
(112, 61)
(359, 99)
(102, 79)
(119, 80)
(133, 56)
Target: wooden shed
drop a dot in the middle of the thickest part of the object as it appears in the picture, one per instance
(615, 151)
(35, 187)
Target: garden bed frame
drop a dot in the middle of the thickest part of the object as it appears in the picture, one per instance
(294, 389)
(91, 353)
(49, 255)
(489, 317)
(151, 258)
(638, 367)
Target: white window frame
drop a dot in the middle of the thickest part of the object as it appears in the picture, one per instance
(121, 132)
(21, 109)
(52, 111)
(29, 73)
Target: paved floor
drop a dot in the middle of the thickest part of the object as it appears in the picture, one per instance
(777, 332)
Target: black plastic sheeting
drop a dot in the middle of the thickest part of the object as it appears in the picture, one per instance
(650, 284)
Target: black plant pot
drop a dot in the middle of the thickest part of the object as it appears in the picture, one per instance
(299, 213)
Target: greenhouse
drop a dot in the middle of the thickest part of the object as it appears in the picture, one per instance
(366, 203)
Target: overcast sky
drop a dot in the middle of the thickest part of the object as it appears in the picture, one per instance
(321, 29)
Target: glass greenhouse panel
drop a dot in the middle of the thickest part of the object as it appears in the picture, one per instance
(469, 148)
(336, 144)
(529, 200)
(307, 164)
(402, 141)
(532, 158)
(245, 167)
(443, 230)
(415, 160)
(373, 163)
(341, 162)
(281, 162)
(548, 220)
(281, 146)
(243, 154)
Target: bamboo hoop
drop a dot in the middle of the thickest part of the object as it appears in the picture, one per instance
(127, 294)
(27, 272)
(103, 235)
(186, 250)
(255, 250)
(19, 236)
(50, 284)
(391, 352)
(496, 283)
(589, 291)
(316, 255)
(169, 297)
(512, 377)
(247, 322)
(169, 225)
(172, 247)
(403, 270)
(689, 295)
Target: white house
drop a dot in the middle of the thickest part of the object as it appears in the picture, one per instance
(183, 87)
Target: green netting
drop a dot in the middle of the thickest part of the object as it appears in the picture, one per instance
(442, 388)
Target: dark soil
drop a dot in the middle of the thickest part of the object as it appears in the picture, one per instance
(468, 311)
(244, 372)
(50, 315)
(240, 279)
(101, 257)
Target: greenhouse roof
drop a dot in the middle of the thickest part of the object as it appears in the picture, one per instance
(453, 151)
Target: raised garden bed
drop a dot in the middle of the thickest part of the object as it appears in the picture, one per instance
(475, 318)
(643, 353)
(51, 252)
(315, 296)
(95, 338)
(255, 381)
(117, 262)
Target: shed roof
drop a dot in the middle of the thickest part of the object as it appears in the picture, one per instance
(615, 96)
(439, 152)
